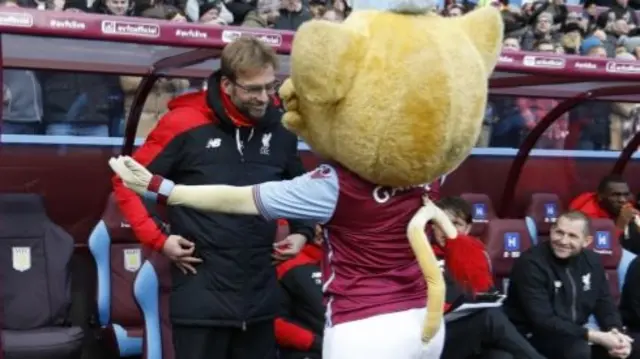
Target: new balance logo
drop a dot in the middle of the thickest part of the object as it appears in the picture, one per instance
(213, 143)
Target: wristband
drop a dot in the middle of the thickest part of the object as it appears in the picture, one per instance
(159, 189)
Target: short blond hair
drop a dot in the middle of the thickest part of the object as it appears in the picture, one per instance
(246, 55)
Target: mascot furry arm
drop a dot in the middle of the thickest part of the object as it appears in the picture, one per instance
(240, 200)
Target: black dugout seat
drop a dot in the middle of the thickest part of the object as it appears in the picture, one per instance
(35, 259)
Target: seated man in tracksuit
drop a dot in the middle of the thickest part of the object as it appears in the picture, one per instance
(553, 289)
(300, 325)
(484, 333)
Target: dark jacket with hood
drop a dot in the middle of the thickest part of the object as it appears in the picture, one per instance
(552, 298)
(204, 139)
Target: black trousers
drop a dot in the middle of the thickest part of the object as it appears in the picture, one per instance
(256, 342)
(567, 348)
(487, 334)
(286, 354)
(635, 346)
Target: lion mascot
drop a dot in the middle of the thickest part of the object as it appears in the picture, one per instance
(391, 99)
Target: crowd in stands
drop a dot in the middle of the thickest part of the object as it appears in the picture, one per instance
(81, 104)
(592, 29)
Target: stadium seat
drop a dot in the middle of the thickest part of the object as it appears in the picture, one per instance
(151, 289)
(610, 250)
(482, 212)
(505, 240)
(542, 213)
(35, 261)
(118, 256)
(625, 261)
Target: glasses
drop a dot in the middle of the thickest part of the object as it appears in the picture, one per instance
(256, 90)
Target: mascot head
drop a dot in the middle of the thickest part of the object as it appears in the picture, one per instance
(395, 93)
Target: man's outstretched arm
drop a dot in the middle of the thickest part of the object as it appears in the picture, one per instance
(312, 196)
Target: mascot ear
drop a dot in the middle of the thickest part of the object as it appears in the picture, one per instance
(332, 52)
(485, 28)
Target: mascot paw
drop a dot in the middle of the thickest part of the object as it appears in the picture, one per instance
(293, 121)
(288, 95)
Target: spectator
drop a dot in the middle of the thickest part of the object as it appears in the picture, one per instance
(632, 45)
(630, 305)
(22, 103)
(333, 16)
(265, 15)
(113, 7)
(541, 31)
(508, 127)
(534, 110)
(555, 286)
(214, 13)
(229, 134)
(612, 200)
(155, 105)
(300, 327)
(317, 10)
(75, 6)
(624, 120)
(572, 38)
(485, 332)
(622, 10)
(589, 121)
(340, 7)
(292, 14)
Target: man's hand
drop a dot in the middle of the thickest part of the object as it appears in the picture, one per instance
(288, 247)
(609, 340)
(626, 215)
(180, 251)
(624, 349)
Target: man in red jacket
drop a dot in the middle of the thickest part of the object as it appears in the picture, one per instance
(612, 200)
(300, 326)
(224, 286)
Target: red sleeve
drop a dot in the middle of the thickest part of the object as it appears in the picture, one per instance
(467, 262)
(158, 155)
(290, 335)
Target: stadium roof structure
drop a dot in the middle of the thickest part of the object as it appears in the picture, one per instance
(70, 41)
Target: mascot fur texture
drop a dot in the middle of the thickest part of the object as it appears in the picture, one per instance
(396, 95)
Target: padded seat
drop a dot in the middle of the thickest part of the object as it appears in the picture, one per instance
(35, 254)
(505, 240)
(542, 213)
(482, 212)
(118, 256)
(608, 247)
(152, 289)
(49, 343)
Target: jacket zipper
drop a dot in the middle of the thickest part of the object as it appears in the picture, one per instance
(574, 295)
(244, 326)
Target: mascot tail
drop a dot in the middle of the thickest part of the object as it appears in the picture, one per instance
(429, 264)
